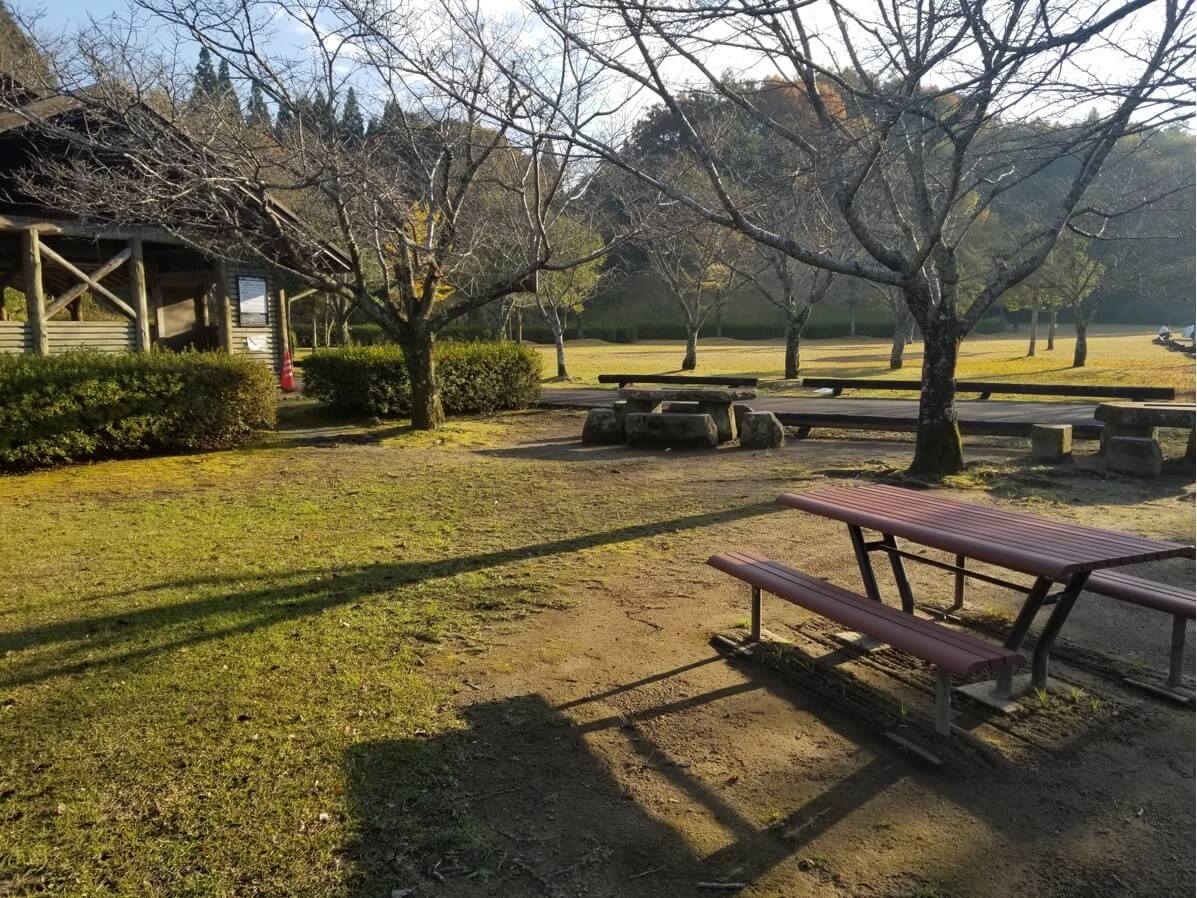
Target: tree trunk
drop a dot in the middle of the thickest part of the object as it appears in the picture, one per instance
(719, 320)
(690, 362)
(343, 336)
(315, 328)
(518, 326)
(1051, 330)
(1034, 332)
(851, 321)
(910, 331)
(76, 309)
(793, 348)
(937, 447)
(561, 372)
(1081, 352)
(581, 333)
(427, 413)
(898, 347)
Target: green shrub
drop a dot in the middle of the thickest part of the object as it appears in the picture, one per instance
(90, 405)
(474, 378)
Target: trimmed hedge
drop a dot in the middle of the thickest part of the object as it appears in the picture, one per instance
(474, 378)
(83, 406)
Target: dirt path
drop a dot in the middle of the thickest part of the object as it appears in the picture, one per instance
(612, 751)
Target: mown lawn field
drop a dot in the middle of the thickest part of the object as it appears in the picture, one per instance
(1122, 355)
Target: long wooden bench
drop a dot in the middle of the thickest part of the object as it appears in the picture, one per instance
(729, 380)
(1174, 600)
(988, 387)
(951, 652)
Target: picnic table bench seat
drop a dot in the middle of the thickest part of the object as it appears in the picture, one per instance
(1177, 601)
(951, 652)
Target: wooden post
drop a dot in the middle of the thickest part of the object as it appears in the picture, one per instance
(141, 303)
(284, 324)
(224, 304)
(35, 298)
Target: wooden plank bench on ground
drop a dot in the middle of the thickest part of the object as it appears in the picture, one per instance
(951, 652)
(727, 380)
(987, 388)
(1177, 601)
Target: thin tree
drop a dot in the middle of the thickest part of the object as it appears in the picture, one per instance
(694, 260)
(560, 293)
(1073, 274)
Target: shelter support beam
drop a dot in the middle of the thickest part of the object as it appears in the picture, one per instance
(35, 297)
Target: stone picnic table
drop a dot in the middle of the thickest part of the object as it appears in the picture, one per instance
(716, 403)
(684, 418)
(1128, 437)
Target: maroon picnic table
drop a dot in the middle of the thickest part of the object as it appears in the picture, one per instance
(1051, 551)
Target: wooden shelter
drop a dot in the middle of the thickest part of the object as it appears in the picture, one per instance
(147, 287)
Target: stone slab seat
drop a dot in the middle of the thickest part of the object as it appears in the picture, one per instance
(950, 651)
(687, 395)
(1178, 601)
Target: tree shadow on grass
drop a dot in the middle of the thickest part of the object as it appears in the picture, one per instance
(265, 601)
(526, 800)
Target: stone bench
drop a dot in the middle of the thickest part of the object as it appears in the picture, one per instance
(1133, 425)
(670, 429)
(715, 403)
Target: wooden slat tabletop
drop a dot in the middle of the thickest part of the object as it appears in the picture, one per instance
(1010, 539)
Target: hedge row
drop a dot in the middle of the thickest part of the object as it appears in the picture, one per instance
(89, 405)
(474, 378)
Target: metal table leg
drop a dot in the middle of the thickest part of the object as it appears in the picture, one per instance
(903, 584)
(1052, 628)
(865, 563)
(958, 596)
(1022, 625)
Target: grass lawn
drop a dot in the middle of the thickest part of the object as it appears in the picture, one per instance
(189, 646)
(1117, 354)
(450, 662)
(194, 649)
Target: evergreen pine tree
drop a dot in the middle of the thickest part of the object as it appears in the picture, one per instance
(204, 84)
(257, 114)
(225, 89)
(351, 126)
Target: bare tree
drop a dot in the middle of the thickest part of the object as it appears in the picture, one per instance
(927, 116)
(560, 293)
(695, 261)
(446, 206)
(795, 290)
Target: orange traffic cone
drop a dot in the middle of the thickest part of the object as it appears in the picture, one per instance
(287, 378)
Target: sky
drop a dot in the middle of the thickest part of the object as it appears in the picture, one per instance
(58, 15)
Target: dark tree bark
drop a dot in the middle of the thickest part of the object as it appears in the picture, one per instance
(1081, 353)
(719, 320)
(897, 348)
(852, 321)
(1034, 332)
(1051, 330)
(690, 360)
(938, 450)
(517, 326)
(76, 309)
(427, 413)
(793, 347)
